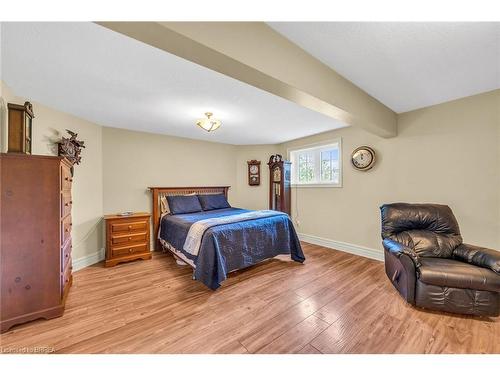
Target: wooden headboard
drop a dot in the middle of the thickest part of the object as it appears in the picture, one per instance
(159, 192)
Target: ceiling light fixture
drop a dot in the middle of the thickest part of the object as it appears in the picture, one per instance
(209, 124)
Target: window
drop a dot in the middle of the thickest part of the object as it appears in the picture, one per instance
(317, 165)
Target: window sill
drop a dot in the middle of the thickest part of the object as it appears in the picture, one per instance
(316, 185)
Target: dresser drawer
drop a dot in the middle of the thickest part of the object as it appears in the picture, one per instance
(66, 277)
(66, 254)
(66, 203)
(128, 238)
(66, 229)
(129, 226)
(119, 251)
(66, 178)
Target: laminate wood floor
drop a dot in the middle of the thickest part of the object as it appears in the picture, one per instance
(334, 303)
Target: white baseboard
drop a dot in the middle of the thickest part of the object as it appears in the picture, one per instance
(343, 246)
(88, 260)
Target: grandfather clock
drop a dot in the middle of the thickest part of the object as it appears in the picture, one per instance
(279, 184)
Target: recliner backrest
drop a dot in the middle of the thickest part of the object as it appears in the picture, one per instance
(430, 229)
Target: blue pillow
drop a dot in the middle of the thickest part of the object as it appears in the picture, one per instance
(183, 204)
(213, 202)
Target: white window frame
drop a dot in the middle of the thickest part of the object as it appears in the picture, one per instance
(316, 147)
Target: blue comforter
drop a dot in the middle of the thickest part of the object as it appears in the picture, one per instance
(228, 247)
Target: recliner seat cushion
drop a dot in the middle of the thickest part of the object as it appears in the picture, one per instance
(457, 274)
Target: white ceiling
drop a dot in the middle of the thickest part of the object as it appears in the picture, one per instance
(110, 79)
(405, 65)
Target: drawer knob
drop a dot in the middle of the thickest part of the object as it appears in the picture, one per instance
(66, 178)
(66, 204)
(130, 238)
(67, 255)
(130, 250)
(130, 227)
(28, 287)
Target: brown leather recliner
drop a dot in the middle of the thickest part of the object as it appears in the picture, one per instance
(429, 265)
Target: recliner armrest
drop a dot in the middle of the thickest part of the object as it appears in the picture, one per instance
(398, 248)
(478, 256)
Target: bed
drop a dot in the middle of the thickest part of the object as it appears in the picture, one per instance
(215, 242)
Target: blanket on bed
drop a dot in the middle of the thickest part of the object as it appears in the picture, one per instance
(193, 239)
(231, 246)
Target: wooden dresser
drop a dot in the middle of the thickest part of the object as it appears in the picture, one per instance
(127, 238)
(35, 241)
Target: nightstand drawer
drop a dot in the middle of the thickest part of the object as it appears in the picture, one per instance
(129, 250)
(128, 238)
(128, 226)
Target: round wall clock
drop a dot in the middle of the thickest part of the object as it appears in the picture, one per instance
(363, 158)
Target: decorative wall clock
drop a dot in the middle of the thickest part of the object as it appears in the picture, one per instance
(20, 121)
(363, 158)
(253, 172)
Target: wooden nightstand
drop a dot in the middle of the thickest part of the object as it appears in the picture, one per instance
(127, 238)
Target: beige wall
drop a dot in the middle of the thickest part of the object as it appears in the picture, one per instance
(448, 153)
(133, 161)
(253, 197)
(48, 126)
